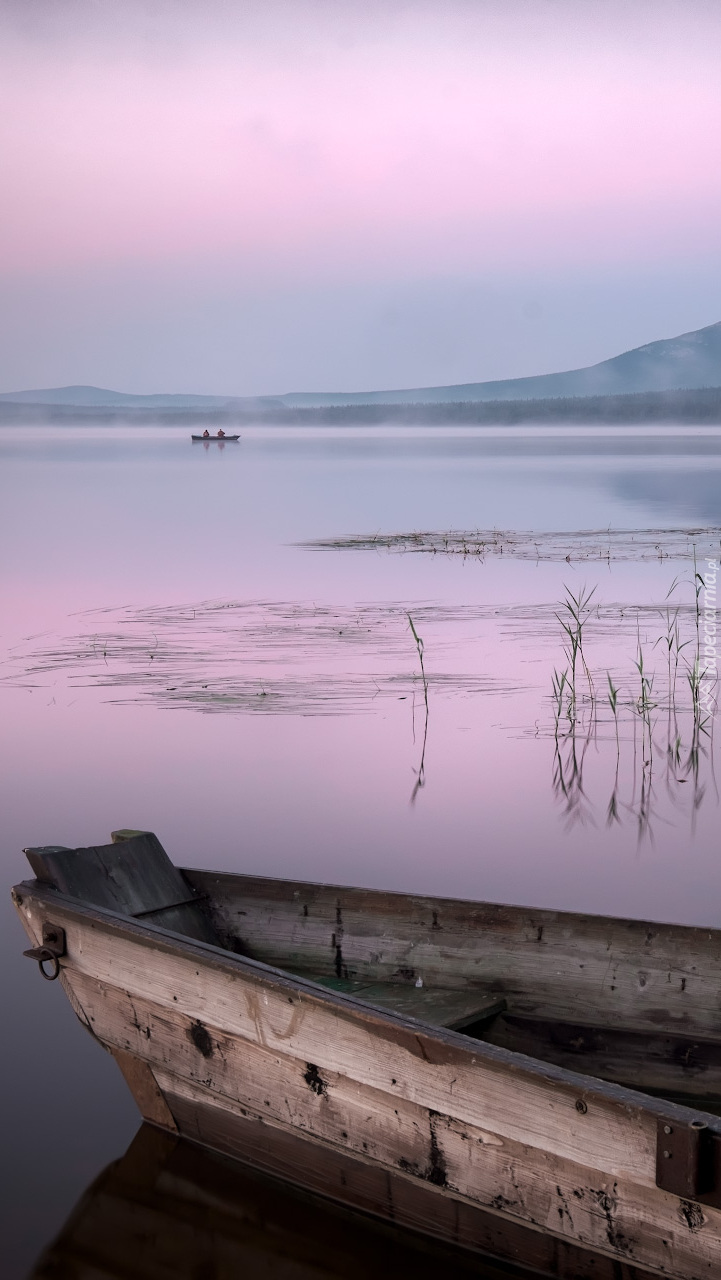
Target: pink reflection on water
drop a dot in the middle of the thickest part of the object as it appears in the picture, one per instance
(286, 736)
(140, 531)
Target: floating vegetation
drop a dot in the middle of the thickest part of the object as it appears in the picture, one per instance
(230, 657)
(578, 545)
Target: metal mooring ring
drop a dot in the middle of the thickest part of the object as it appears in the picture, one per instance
(51, 949)
(48, 955)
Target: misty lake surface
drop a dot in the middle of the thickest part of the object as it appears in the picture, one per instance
(177, 657)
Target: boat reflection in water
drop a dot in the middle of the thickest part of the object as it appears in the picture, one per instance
(171, 1209)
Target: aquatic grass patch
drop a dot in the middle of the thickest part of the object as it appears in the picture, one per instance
(570, 545)
(289, 656)
(642, 703)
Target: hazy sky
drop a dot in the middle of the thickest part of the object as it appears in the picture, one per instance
(266, 197)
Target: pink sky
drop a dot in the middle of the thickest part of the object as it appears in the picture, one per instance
(305, 146)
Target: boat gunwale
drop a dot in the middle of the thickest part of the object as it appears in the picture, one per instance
(432, 900)
(493, 1056)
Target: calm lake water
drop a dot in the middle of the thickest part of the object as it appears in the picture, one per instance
(177, 658)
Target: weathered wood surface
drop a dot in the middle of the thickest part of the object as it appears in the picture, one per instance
(549, 963)
(457, 1010)
(145, 1089)
(651, 1061)
(244, 1080)
(133, 876)
(410, 1203)
(171, 1209)
(544, 1147)
(257, 1003)
(593, 971)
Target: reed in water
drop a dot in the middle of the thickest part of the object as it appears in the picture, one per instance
(640, 704)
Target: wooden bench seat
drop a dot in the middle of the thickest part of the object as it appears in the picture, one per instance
(439, 1006)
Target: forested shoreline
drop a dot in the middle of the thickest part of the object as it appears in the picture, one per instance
(685, 407)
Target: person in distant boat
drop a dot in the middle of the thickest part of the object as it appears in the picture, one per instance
(206, 434)
(221, 433)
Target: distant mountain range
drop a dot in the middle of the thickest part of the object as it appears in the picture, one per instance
(690, 361)
(98, 398)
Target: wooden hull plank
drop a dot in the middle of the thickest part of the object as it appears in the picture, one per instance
(169, 1207)
(553, 965)
(397, 1198)
(478, 1083)
(241, 1079)
(144, 1087)
(652, 1061)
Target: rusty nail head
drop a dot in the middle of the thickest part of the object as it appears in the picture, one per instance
(581, 1106)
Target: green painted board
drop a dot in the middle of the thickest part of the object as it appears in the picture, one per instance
(439, 1006)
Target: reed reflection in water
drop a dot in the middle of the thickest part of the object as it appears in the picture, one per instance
(667, 717)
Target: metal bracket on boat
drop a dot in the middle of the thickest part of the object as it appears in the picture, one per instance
(53, 947)
(687, 1159)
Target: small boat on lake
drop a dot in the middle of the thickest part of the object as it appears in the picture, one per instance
(536, 1084)
(220, 439)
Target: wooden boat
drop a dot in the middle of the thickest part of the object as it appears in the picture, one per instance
(207, 439)
(484, 1073)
